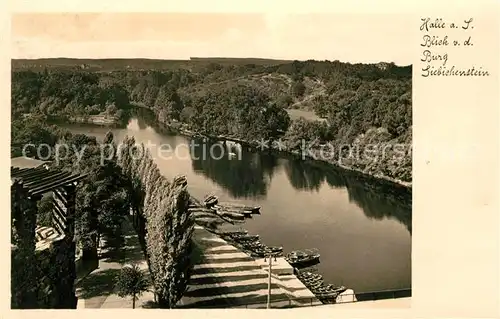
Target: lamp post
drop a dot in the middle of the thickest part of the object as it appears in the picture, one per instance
(270, 257)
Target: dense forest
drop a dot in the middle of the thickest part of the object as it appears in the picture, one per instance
(359, 105)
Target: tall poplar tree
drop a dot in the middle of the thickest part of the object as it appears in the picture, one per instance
(169, 224)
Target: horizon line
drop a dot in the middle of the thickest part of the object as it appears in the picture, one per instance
(193, 58)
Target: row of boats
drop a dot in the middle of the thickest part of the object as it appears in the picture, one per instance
(230, 212)
(327, 293)
(251, 244)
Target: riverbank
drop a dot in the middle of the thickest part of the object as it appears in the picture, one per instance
(336, 164)
(104, 120)
(297, 154)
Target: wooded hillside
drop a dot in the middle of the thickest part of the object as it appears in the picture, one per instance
(362, 104)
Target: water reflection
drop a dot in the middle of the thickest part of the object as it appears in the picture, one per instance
(302, 177)
(379, 202)
(142, 123)
(250, 175)
(246, 175)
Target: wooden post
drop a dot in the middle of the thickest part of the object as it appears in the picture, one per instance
(269, 283)
(70, 211)
(68, 290)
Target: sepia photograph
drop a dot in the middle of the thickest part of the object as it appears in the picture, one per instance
(210, 160)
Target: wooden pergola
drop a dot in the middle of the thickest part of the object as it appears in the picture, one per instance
(41, 179)
(33, 183)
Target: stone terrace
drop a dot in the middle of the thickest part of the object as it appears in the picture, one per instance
(225, 277)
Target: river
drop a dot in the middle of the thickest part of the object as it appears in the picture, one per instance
(362, 229)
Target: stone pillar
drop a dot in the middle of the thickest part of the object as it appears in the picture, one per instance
(23, 268)
(62, 274)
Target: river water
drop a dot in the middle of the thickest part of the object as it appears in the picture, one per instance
(361, 228)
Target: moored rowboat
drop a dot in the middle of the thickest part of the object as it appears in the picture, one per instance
(232, 210)
(210, 200)
(232, 215)
(232, 206)
(301, 258)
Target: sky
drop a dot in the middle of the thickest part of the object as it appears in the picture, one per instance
(354, 38)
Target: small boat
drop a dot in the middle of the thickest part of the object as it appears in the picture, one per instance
(329, 295)
(263, 252)
(314, 285)
(321, 289)
(247, 243)
(253, 209)
(227, 220)
(234, 232)
(234, 210)
(301, 258)
(329, 289)
(274, 249)
(309, 275)
(232, 215)
(340, 289)
(312, 279)
(237, 221)
(201, 210)
(246, 237)
(180, 180)
(211, 200)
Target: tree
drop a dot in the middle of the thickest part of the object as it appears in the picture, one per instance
(103, 196)
(168, 239)
(298, 89)
(45, 207)
(284, 101)
(132, 282)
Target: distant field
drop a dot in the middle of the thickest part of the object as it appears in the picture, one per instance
(308, 115)
(133, 64)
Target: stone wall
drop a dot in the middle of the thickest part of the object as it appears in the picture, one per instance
(53, 272)
(23, 263)
(57, 274)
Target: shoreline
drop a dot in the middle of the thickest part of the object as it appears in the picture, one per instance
(111, 123)
(334, 164)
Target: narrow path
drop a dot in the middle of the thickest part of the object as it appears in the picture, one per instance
(97, 289)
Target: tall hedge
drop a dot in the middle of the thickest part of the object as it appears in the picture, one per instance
(169, 225)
